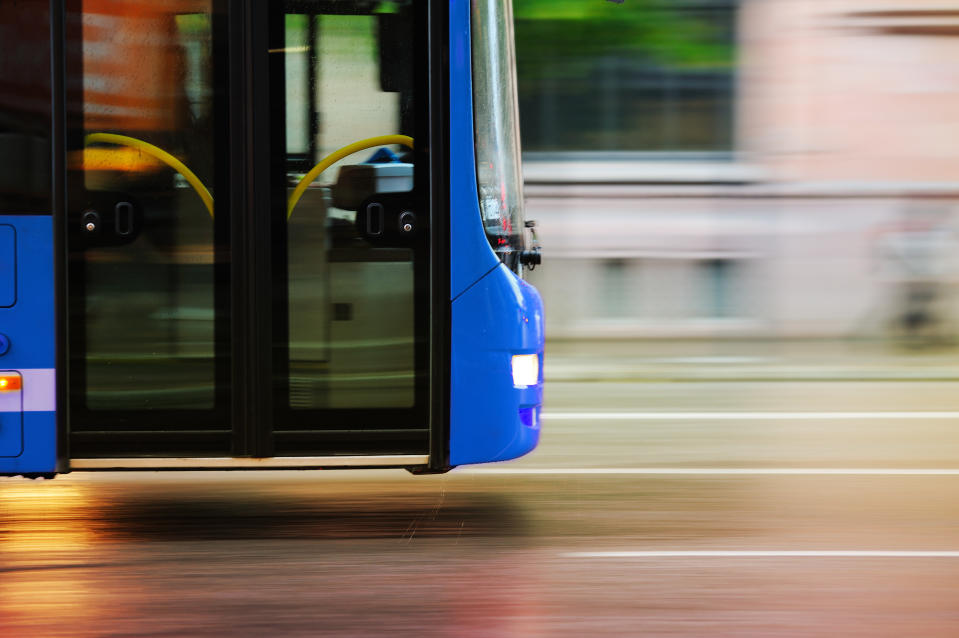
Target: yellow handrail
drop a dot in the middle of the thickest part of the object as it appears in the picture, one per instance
(336, 156)
(204, 193)
(160, 154)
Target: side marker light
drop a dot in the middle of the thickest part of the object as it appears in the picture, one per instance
(529, 416)
(9, 382)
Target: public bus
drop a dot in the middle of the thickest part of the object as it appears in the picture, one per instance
(263, 234)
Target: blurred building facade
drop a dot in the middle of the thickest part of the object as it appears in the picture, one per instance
(792, 173)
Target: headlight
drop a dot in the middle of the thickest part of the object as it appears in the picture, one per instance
(525, 369)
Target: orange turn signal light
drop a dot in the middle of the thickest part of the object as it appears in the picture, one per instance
(9, 382)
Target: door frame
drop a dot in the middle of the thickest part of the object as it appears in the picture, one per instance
(249, 173)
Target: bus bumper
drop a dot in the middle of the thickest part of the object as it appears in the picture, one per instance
(492, 418)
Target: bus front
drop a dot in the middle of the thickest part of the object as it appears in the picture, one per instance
(497, 318)
(272, 235)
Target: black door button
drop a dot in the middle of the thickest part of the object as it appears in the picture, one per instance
(388, 220)
(90, 221)
(407, 222)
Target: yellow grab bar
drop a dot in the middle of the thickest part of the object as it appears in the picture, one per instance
(160, 154)
(336, 156)
(204, 193)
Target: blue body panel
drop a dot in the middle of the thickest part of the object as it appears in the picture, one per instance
(471, 255)
(8, 265)
(494, 313)
(30, 329)
(501, 315)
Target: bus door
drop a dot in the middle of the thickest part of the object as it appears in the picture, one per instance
(248, 224)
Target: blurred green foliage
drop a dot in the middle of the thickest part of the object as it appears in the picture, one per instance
(644, 75)
(572, 33)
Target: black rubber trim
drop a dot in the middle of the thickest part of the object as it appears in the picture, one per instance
(440, 317)
(58, 168)
(250, 240)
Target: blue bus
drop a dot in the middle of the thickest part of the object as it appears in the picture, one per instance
(263, 234)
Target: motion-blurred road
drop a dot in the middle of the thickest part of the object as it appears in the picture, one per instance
(736, 508)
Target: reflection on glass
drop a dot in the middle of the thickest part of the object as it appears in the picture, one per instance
(496, 122)
(351, 303)
(147, 270)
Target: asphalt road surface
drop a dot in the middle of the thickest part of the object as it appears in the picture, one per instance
(655, 509)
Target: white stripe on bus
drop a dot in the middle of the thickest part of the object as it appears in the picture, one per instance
(39, 389)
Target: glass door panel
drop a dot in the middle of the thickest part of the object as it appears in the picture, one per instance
(162, 362)
(141, 229)
(353, 324)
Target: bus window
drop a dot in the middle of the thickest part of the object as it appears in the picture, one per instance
(25, 107)
(496, 120)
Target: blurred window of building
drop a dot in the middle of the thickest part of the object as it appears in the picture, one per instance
(720, 278)
(614, 289)
(642, 76)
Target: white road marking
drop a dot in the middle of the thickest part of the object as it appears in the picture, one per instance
(742, 416)
(758, 471)
(766, 554)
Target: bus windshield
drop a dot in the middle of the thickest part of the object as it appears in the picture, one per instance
(496, 125)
